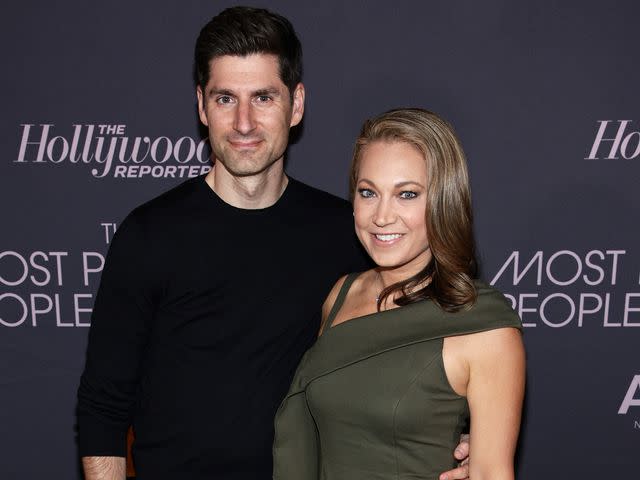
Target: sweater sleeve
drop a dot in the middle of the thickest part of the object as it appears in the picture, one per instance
(120, 323)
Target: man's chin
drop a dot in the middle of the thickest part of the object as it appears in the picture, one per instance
(246, 169)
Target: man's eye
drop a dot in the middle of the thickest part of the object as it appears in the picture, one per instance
(224, 99)
(408, 194)
(263, 98)
(365, 193)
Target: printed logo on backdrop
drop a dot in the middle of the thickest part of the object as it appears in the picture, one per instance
(37, 286)
(568, 288)
(631, 401)
(615, 139)
(108, 151)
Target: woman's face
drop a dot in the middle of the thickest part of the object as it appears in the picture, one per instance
(390, 204)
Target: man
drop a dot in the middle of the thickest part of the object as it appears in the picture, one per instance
(211, 292)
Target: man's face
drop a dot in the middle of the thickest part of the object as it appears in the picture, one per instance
(248, 110)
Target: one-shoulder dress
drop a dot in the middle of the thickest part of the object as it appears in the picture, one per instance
(371, 400)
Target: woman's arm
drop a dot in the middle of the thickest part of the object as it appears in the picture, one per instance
(495, 393)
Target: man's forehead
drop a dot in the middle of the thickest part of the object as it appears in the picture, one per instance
(266, 62)
(254, 71)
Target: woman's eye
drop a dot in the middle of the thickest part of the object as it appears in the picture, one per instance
(407, 195)
(365, 193)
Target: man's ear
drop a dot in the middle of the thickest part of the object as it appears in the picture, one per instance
(297, 110)
(201, 111)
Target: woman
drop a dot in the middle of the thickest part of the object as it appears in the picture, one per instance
(409, 349)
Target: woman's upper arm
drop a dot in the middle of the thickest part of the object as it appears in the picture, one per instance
(495, 393)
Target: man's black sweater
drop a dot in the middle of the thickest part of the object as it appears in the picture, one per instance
(203, 313)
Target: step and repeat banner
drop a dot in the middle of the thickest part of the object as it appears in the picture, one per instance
(99, 115)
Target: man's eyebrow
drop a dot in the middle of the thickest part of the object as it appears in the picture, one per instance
(220, 91)
(273, 91)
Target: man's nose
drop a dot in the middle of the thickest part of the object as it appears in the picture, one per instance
(244, 121)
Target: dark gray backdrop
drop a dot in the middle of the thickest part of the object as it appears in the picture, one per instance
(527, 85)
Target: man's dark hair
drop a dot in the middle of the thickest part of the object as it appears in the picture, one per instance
(242, 31)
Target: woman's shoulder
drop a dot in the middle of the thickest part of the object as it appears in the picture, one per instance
(489, 331)
(493, 308)
(490, 310)
(347, 284)
(351, 283)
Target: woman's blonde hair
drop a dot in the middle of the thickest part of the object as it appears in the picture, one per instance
(449, 275)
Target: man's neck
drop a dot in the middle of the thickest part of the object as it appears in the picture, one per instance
(250, 192)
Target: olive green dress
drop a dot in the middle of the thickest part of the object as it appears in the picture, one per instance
(371, 400)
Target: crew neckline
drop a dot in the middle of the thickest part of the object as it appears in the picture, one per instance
(283, 200)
